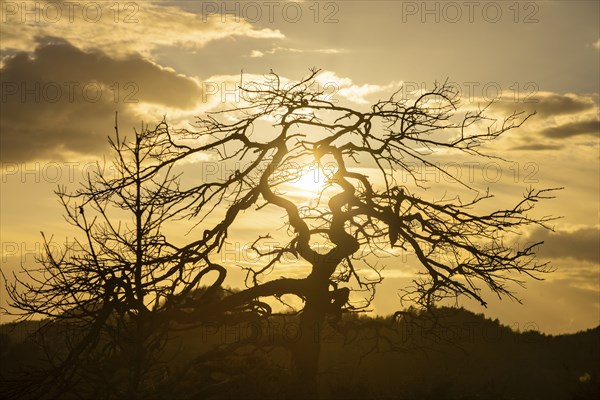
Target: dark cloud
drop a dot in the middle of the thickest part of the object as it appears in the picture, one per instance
(549, 105)
(586, 127)
(60, 99)
(556, 104)
(582, 244)
(537, 147)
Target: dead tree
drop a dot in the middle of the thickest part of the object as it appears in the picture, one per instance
(459, 248)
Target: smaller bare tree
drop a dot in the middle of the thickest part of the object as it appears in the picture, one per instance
(105, 291)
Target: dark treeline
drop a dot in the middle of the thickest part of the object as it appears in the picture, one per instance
(450, 354)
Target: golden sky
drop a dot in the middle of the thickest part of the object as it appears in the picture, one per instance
(68, 67)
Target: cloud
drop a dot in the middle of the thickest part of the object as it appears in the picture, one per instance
(279, 49)
(137, 27)
(585, 127)
(256, 54)
(559, 117)
(61, 99)
(345, 87)
(580, 244)
(537, 147)
(548, 104)
(221, 90)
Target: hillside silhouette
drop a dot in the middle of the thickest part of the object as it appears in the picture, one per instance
(450, 354)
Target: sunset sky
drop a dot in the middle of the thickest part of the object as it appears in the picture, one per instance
(66, 68)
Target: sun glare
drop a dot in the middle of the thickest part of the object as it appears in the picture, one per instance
(308, 182)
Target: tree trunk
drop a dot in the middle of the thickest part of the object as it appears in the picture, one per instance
(306, 351)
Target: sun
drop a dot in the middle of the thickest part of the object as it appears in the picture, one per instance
(311, 181)
(308, 182)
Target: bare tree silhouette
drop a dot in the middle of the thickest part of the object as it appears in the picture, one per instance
(138, 278)
(458, 248)
(106, 289)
